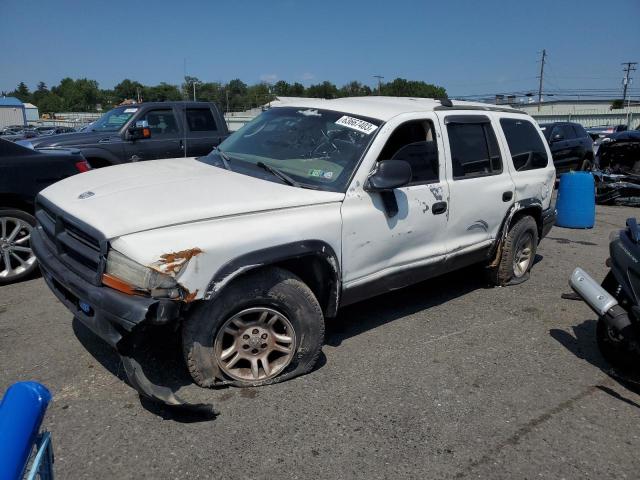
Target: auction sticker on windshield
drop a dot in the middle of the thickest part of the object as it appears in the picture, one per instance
(357, 124)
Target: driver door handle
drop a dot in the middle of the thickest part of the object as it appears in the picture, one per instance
(438, 208)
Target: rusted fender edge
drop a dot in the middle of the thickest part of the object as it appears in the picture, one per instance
(158, 393)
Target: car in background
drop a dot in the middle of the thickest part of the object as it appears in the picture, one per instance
(601, 131)
(54, 130)
(571, 146)
(23, 173)
(173, 129)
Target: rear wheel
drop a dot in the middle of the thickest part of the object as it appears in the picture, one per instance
(615, 348)
(17, 260)
(518, 252)
(264, 328)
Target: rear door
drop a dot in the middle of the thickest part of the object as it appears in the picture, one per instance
(166, 136)
(203, 131)
(531, 167)
(480, 187)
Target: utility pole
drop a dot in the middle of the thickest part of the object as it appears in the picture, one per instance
(379, 77)
(194, 91)
(630, 67)
(544, 55)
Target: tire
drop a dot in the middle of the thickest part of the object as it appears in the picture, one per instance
(524, 232)
(237, 321)
(15, 246)
(615, 349)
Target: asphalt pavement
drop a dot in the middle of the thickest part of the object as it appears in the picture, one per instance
(446, 379)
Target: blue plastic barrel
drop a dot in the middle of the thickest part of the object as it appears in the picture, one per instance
(576, 202)
(21, 412)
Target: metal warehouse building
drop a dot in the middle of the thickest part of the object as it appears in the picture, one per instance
(12, 112)
(586, 112)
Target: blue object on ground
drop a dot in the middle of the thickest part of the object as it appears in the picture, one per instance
(576, 202)
(21, 412)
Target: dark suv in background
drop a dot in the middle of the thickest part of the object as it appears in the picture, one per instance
(570, 144)
(173, 129)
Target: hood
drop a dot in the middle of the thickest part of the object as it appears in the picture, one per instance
(72, 139)
(142, 196)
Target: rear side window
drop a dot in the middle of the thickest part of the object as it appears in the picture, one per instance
(474, 150)
(201, 120)
(525, 144)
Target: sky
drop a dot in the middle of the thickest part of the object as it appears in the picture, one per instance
(468, 47)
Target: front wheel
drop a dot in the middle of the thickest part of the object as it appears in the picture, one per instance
(264, 328)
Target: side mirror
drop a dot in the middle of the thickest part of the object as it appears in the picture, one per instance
(390, 174)
(139, 131)
(557, 137)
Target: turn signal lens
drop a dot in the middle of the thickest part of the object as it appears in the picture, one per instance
(117, 284)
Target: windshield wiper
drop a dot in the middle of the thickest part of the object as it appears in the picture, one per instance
(223, 155)
(280, 174)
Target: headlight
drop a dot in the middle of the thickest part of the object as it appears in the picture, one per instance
(137, 278)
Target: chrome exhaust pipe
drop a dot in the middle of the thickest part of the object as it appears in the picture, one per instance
(591, 292)
(600, 301)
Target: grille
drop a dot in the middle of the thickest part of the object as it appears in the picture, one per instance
(77, 248)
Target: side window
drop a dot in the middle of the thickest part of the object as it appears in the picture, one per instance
(201, 120)
(474, 150)
(415, 143)
(568, 132)
(525, 144)
(580, 131)
(161, 122)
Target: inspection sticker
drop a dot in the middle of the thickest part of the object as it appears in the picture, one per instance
(357, 124)
(321, 173)
(130, 110)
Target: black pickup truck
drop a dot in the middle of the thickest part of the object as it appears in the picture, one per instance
(175, 129)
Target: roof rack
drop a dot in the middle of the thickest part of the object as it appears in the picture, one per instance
(476, 107)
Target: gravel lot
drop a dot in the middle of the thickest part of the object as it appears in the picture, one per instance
(446, 379)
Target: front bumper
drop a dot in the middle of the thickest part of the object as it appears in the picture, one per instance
(548, 220)
(108, 313)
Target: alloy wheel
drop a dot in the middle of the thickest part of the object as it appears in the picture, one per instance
(523, 255)
(16, 256)
(255, 344)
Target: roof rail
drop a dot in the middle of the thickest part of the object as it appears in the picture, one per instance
(488, 108)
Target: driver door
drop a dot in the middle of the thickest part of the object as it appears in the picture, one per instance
(379, 246)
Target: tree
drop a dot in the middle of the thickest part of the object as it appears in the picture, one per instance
(355, 89)
(81, 95)
(616, 104)
(282, 88)
(401, 87)
(127, 89)
(50, 103)
(297, 90)
(22, 93)
(161, 93)
(237, 91)
(322, 90)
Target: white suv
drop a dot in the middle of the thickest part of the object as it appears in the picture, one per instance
(309, 207)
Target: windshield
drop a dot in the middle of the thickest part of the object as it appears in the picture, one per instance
(315, 148)
(113, 120)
